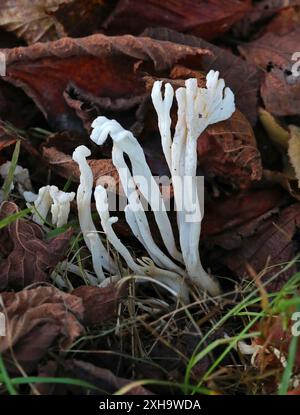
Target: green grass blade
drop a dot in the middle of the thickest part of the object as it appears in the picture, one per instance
(10, 177)
(12, 218)
(6, 379)
(64, 381)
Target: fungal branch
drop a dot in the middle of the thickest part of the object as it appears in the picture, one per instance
(196, 109)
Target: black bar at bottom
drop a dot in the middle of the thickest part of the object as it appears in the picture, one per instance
(89, 405)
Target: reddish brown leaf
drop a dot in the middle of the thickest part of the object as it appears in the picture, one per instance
(242, 77)
(100, 303)
(26, 256)
(253, 22)
(57, 152)
(221, 218)
(207, 19)
(275, 334)
(273, 243)
(285, 21)
(101, 68)
(280, 89)
(92, 14)
(37, 320)
(228, 150)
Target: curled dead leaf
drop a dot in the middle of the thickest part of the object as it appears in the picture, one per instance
(37, 320)
(100, 303)
(31, 19)
(207, 19)
(267, 245)
(27, 256)
(92, 66)
(228, 150)
(57, 152)
(280, 89)
(242, 77)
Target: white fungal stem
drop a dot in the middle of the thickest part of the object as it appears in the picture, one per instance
(107, 222)
(163, 108)
(128, 144)
(197, 108)
(21, 177)
(42, 205)
(60, 207)
(136, 207)
(144, 266)
(50, 197)
(100, 256)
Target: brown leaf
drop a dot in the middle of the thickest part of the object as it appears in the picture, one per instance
(103, 379)
(254, 21)
(294, 151)
(92, 14)
(285, 21)
(15, 106)
(228, 227)
(280, 89)
(101, 68)
(57, 152)
(243, 78)
(30, 19)
(37, 320)
(228, 150)
(100, 303)
(26, 256)
(207, 19)
(275, 333)
(273, 244)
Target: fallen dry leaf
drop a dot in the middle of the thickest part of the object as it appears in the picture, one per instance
(228, 150)
(242, 77)
(280, 89)
(27, 256)
(103, 379)
(253, 24)
(82, 17)
(100, 303)
(286, 20)
(221, 219)
(294, 151)
(275, 131)
(30, 19)
(37, 320)
(275, 338)
(57, 152)
(271, 246)
(207, 19)
(92, 66)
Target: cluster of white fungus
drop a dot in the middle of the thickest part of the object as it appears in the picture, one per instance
(21, 177)
(50, 198)
(197, 108)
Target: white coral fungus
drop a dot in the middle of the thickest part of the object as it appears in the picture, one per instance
(197, 108)
(50, 198)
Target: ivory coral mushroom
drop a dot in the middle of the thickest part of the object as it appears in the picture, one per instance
(50, 197)
(60, 207)
(197, 108)
(125, 143)
(21, 177)
(100, 256)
